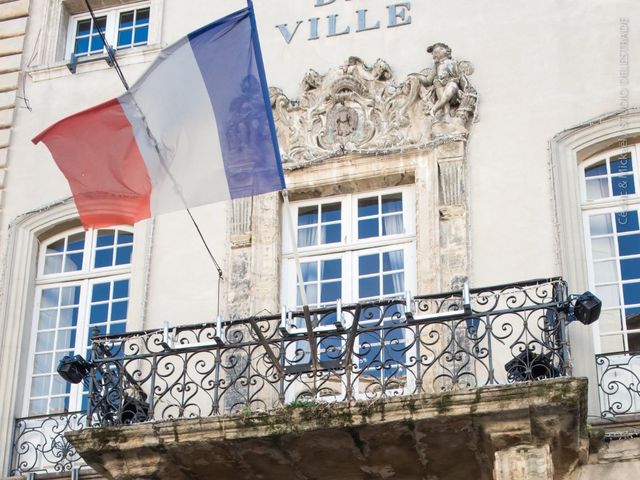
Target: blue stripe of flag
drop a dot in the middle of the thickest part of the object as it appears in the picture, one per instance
(233, 74)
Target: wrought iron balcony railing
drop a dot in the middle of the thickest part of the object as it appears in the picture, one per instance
(425, 344)
(619, 383)
(39, 444)
(391, 347)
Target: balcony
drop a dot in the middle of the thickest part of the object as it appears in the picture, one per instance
(463, 356)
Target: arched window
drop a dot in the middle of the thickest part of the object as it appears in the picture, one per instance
(82, 284)
(611, 210)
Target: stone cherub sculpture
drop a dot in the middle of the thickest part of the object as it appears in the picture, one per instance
(449, 81)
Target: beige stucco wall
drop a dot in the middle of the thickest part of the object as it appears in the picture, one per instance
(540, 68)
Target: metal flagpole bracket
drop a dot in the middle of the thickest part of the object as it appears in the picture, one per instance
(218, 337)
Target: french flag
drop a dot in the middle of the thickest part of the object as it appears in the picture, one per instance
(196, 128)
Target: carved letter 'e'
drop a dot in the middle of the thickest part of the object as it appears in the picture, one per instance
(333, 21)
(322, 3)
(362, 21)
(399, 12)
(284, 30)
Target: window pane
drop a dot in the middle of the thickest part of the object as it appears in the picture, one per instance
(623, 185)
(104, 258)
(309, 271)
(105, 238)
(602, 248)
(49, 297)
(621, 163)
(66, 339)
(126, 19)
(100, 292)
(393, 283)
(59, 405)
(101, 23)
(312, 294)
(99, 313)
(76, 242)
(611, 343)
(59, 386)
(331, 269)
(73, 262)
(330, 292)
(331, 212)
(367, 206)
(632, 318)
(45, 341)
(40, 386)
(68, 317)
(142, 16)
(631, 292)
(47, 319)
(96, 43)
(369, 287)
(70, 296)
(56, 247)
(123, 255)
(610, 321)
(38, 407)
(124, 38)
(124, 237)
(600, 224)
(81, 46)
(634, 342)
(393, 260)
(630, 268)
(368, 228)
(597, 188)
(43, 363)
(53, 264)
(83, 27)
(368, 264)
(627, 221)
(392, 203)
(307, 236)
(119, 310)
(118, 328)
(598, 169)
(606, 272)
(392, 225)
(610, 295)
(307, 215)
(629, 244)
(141, 35)
(121, 289)
(331, 233)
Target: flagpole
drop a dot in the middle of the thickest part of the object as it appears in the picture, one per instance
(154, 142)
(303, 294)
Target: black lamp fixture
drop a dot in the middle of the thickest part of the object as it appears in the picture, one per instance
(73, 369)
(584, 308)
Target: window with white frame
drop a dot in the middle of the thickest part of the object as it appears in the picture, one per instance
(356, 247)
(123, 27)
(82, 286)
(611, 209)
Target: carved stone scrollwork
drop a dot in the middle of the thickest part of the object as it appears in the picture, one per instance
(360, 109)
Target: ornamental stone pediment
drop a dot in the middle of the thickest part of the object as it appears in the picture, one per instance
(361, 109)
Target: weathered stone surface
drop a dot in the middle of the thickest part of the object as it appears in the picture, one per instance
(14, 9)
(420, 437)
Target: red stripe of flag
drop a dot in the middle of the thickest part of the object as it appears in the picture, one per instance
(97, 153)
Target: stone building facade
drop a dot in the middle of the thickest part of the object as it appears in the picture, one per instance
(427, 147)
